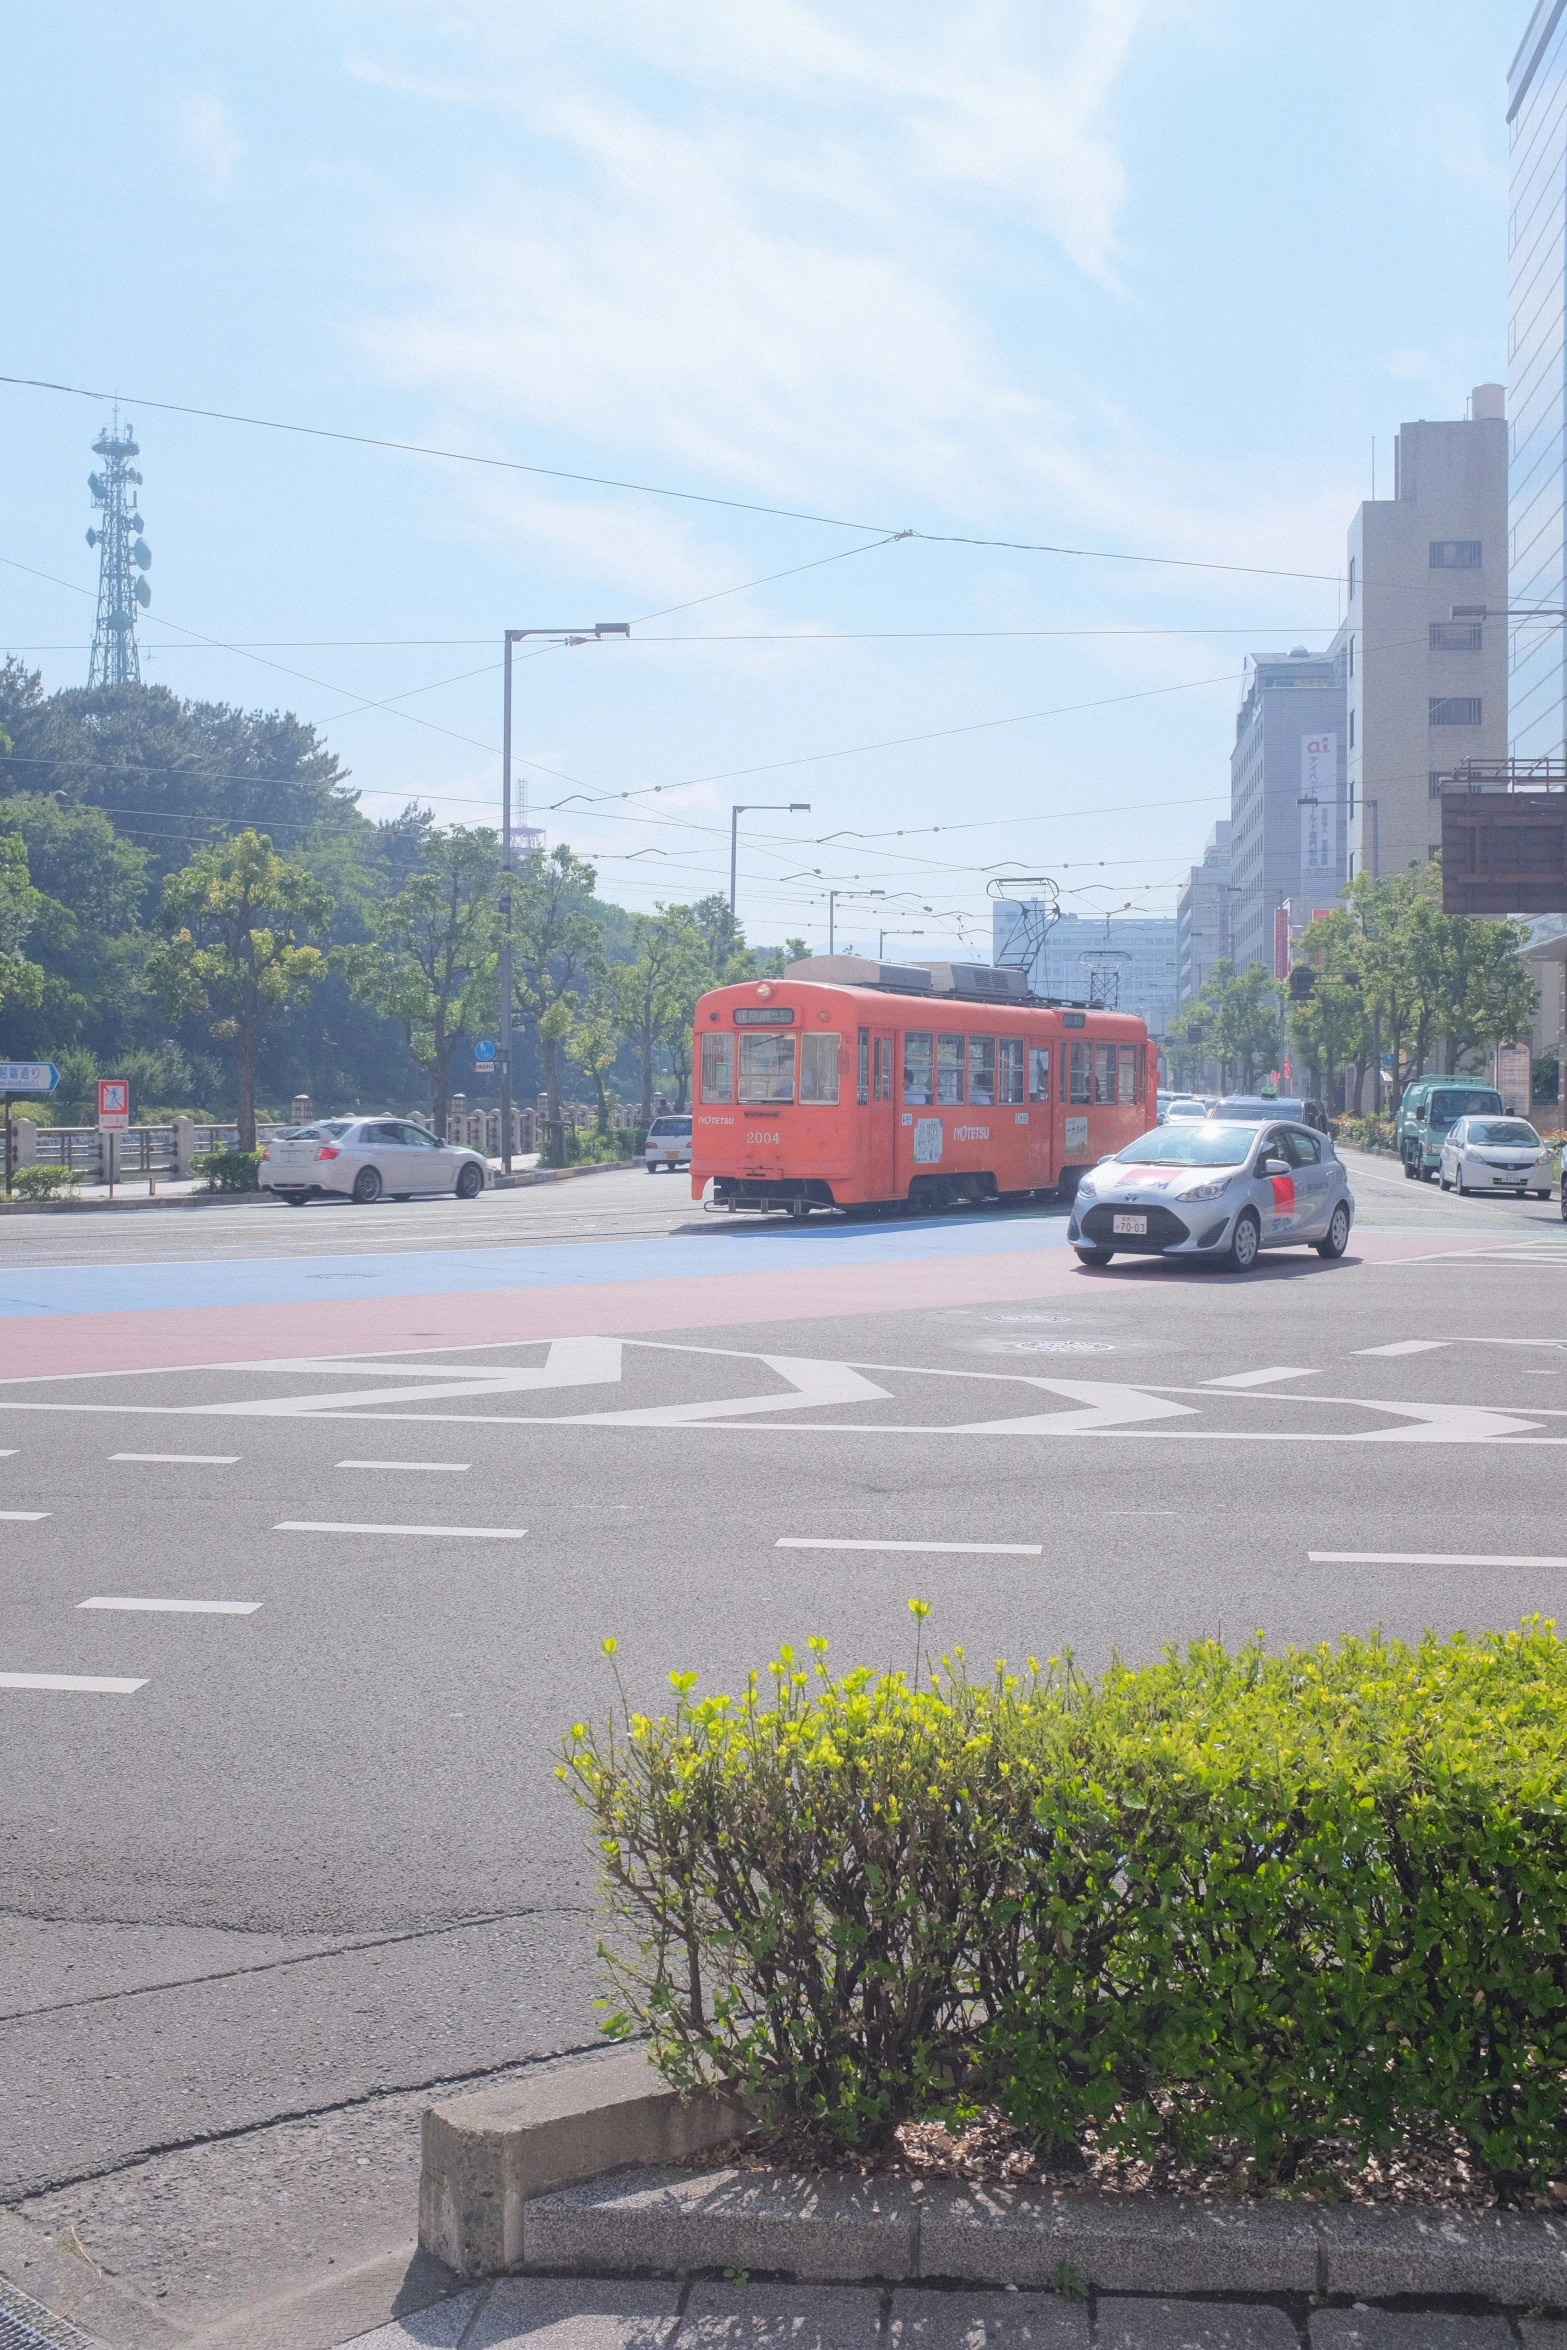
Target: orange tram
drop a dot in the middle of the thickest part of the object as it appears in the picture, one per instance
(854, 1084)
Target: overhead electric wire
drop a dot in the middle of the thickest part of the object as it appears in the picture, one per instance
(882, 530)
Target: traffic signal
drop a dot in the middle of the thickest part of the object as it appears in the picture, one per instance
(1302, 980)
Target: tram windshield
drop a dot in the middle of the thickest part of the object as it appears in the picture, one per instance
(1209, 1145)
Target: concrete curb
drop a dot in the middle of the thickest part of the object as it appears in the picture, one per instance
(524, 1176)
(486, 2156)
(850, 2231)
(119, 1207)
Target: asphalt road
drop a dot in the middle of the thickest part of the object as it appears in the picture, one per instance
(315, 1854)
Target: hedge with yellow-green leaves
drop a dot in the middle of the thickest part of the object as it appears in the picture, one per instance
(1244, 1899)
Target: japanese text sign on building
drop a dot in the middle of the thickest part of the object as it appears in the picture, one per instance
(1318, 806)
(114, 1103)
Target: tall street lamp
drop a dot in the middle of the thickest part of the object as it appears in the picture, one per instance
(514, 636)
(741, 808)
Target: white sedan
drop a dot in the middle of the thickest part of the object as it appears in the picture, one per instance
(1495, 1154)
(363, 1158)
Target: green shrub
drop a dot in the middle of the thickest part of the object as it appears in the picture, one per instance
(44, 1180)
(228, 1170)
(1248, 1899)
(1366, 1134)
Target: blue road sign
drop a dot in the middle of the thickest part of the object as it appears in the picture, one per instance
(28, 1076)
(484, 1052)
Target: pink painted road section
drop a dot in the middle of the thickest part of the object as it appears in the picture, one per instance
(72, 1344)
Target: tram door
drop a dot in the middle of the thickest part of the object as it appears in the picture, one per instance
(882, 1172)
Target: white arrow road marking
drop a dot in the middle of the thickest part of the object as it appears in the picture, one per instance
(1260, 1378)
(1447, 1423)
(93, 1684)
(1105, 1405)
(1405, 1346)
(572, 1362)
(814, 1382)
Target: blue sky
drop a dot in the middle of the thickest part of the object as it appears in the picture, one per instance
(1142, 275)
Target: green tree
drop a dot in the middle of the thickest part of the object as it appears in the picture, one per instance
(21, 982)
(89, 939)
(1330, 1030)
(1238, 1017)
(557, 952)
(432, 949)
(670, 966)
(592, 1044)
(235, 915)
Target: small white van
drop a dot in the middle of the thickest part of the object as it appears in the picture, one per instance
(669, 1141)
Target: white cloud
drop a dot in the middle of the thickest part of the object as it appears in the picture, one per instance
(211, 140)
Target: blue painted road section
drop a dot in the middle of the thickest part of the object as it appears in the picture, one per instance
(45, 1291)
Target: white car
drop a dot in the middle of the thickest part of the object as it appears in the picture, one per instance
(1185, 1105)
(669, 1141)
(1495, 1154)
(363, 1158)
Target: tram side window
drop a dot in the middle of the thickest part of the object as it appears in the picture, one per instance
(766, 1068)
(862, 1071)
(982, 1071)
(919, 1054)
(1129, 1086)
(1104, 1073)
(1077, 1074)
(819, 1067)
(1039, 1072)
(884, 1069)
(1009, 1069)
(718, 1068)
(949, 1069)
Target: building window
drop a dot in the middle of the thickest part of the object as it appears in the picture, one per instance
(1456, 636)
(1352, 730)
(1352, 579)
(1351, 650)
(1434, 782)
(1455, 554)
(1455, 709)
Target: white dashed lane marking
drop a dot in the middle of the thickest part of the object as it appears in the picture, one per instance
(1260, 1378)
(1428, 1558)
(1031, 1550)
(195, 1460)
(1405, 1346)
(24, 1517)
(466, 1533)
(92, 1684)
(176, 1607)
(426, 1465)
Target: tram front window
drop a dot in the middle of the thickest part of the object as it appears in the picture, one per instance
(766, 1068)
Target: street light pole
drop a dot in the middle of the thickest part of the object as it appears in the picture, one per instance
(513, 636)
(739, 809)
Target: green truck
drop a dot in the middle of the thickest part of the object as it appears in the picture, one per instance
(1428, 1108)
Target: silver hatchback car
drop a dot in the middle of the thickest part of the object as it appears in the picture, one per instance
(1222, 1190)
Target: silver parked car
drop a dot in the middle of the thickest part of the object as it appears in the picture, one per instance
(1222, 1190)
(362, 1158)
(1495, 1154)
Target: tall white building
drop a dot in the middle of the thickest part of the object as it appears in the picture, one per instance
(1202, 916)
(1425, 673)
(1127, 957)
(1286, 790)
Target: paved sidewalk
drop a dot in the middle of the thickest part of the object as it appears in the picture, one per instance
(571, 2313)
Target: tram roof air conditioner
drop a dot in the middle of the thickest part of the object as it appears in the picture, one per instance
(995, 982)
(862, 971)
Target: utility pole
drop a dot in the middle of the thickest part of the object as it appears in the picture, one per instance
(741, 808)
(514, 636)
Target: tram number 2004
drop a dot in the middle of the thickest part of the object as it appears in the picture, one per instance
(753, 1137)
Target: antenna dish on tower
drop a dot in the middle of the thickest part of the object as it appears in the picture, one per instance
(143, 594)
(141, 555)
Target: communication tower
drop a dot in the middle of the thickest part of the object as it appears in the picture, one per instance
(123, 559)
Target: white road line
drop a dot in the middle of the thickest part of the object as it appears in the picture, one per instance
(337, 1526)
(1030, 1550)
(404, 1464)
(1260, 1378)
(7, 1452)
(24, 1517)
(1406, 1346)
(176, 1607)
(93, 1683)
(209, 1460)
(1428, 1558)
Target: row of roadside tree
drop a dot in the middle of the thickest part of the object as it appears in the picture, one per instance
(1391, 977)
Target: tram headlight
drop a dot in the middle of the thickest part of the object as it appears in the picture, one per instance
(1207, 1190)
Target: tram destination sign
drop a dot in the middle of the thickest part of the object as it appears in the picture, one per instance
(763, 1015)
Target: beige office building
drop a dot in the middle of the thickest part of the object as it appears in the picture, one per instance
(1425, 689)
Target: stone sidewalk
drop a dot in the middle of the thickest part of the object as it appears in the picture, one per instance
(570, 2313)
